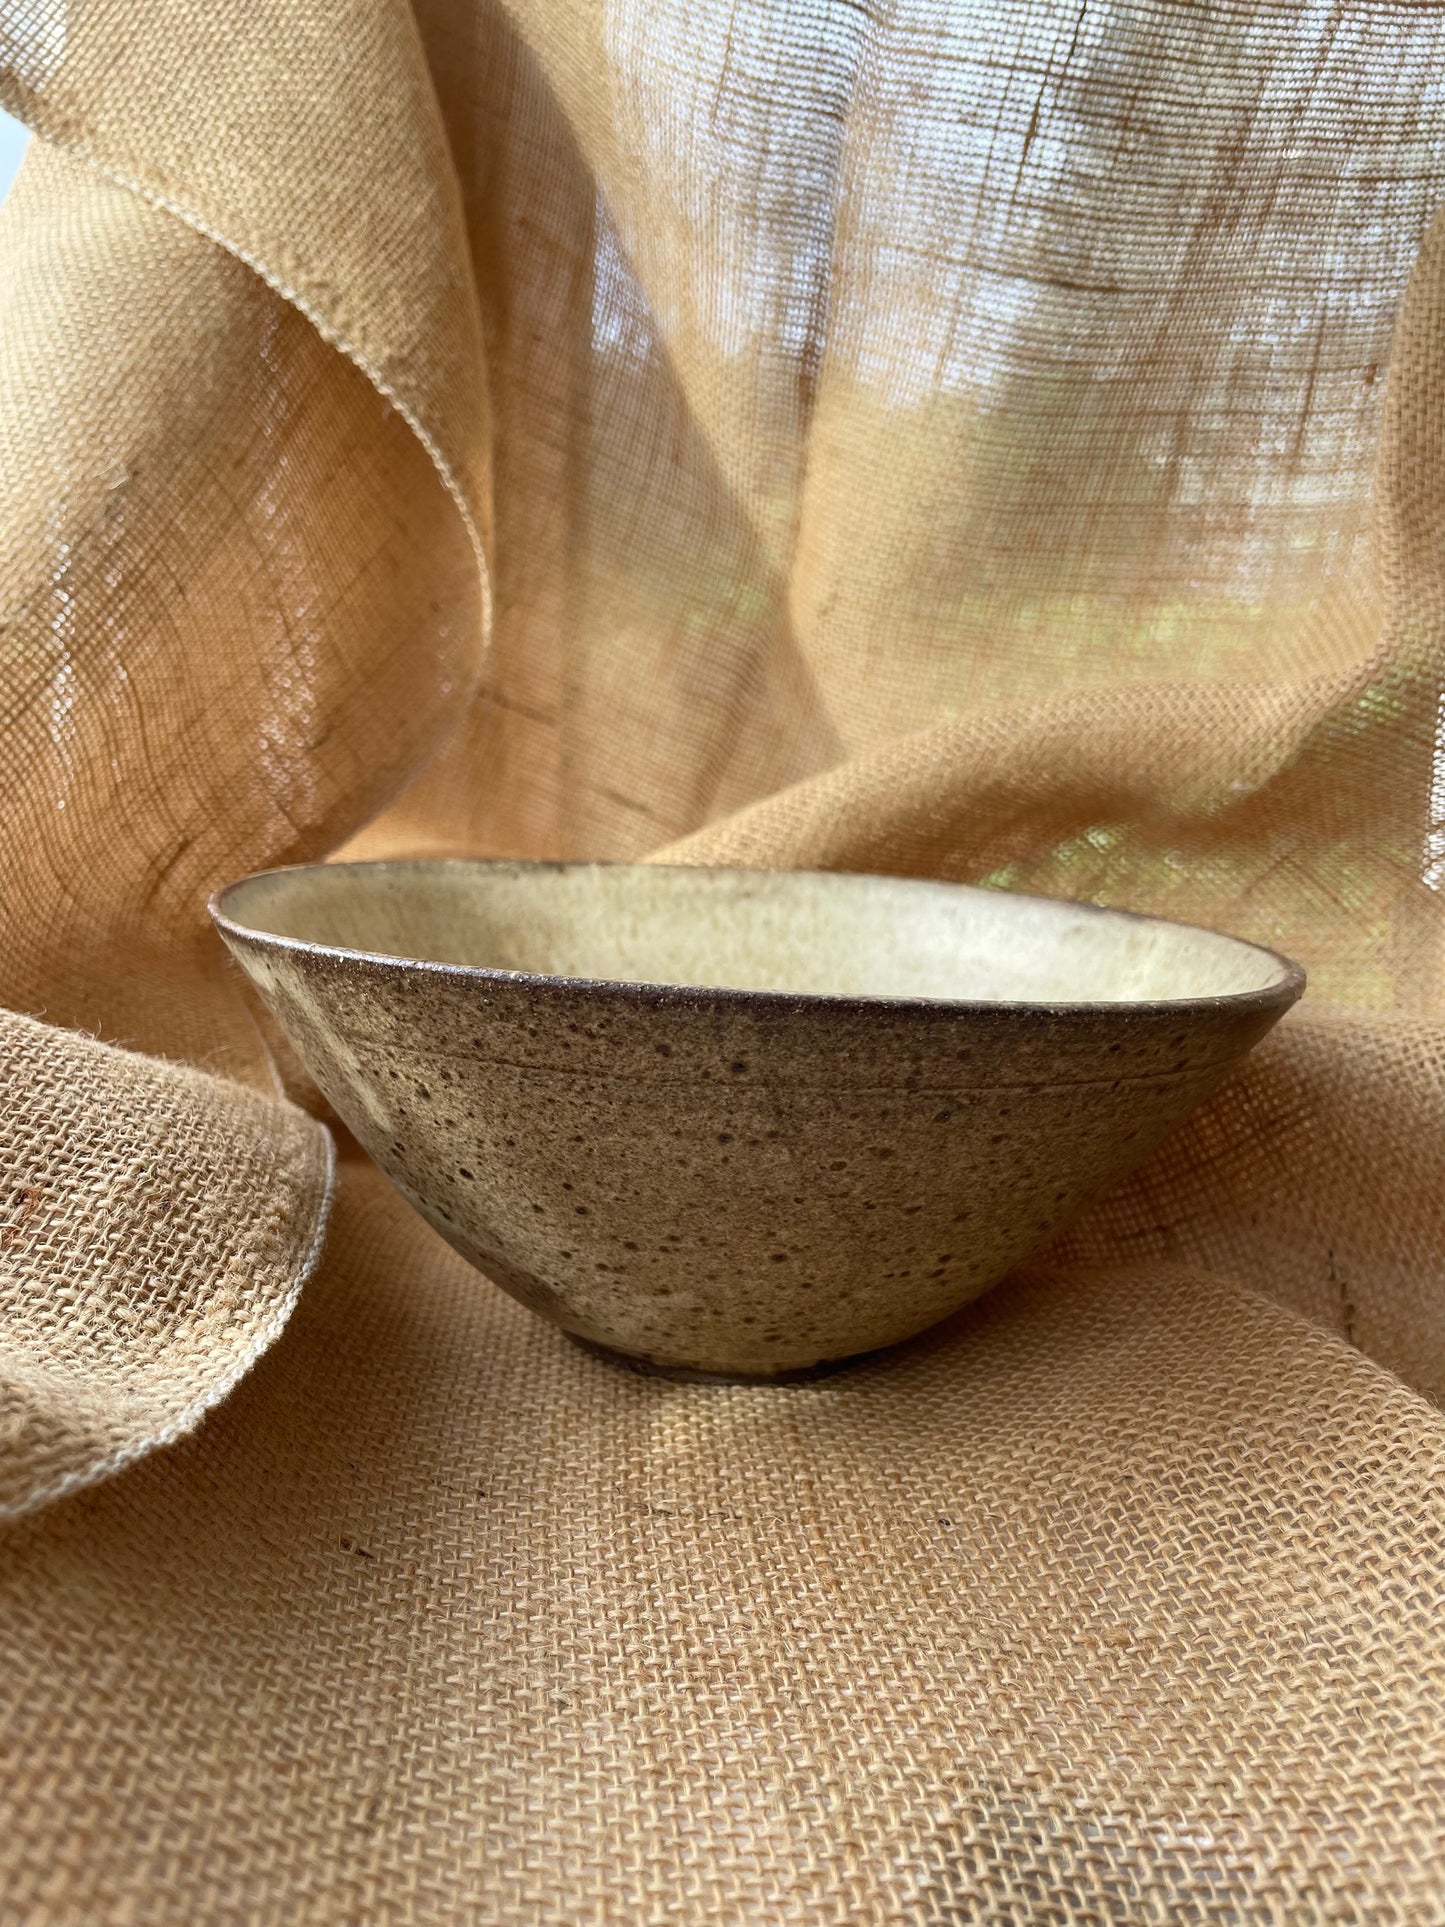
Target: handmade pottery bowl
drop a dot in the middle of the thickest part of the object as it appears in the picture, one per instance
(742, 1122)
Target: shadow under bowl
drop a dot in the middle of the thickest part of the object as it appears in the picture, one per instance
(742, 1123)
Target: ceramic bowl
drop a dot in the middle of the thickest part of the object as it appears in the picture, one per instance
(742, 1122)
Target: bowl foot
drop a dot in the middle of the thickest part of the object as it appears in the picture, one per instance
(690, 1375)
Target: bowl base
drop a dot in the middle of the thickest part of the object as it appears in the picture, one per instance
(692, 1375)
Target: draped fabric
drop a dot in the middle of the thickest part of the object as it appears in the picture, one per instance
(1004, 443)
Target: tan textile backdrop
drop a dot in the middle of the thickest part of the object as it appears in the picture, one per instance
(991, 441)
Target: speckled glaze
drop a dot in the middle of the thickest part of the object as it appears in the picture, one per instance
(891, 1093)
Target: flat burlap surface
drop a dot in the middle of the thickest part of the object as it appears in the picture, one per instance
(1004, 443)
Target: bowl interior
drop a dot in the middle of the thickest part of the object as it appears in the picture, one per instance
(800, 932)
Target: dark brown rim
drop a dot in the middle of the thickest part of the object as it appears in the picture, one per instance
(1271, 996)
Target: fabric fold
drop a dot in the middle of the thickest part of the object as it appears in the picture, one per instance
(155, 1231)
(237, 608)
(212, 116)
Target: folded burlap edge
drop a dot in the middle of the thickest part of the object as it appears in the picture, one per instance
(140, 1279)
(49, 120)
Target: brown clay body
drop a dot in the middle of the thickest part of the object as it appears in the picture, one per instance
(742, 1122)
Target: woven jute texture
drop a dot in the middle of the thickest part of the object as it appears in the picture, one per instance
(993, 442)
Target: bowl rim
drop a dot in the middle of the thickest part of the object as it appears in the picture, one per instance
(1277, 996)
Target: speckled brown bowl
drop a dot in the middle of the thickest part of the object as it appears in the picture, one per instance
(742, 1122)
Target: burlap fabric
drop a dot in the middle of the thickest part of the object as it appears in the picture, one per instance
(1004, 443)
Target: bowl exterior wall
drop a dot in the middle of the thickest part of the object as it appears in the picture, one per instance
(730, 1183)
